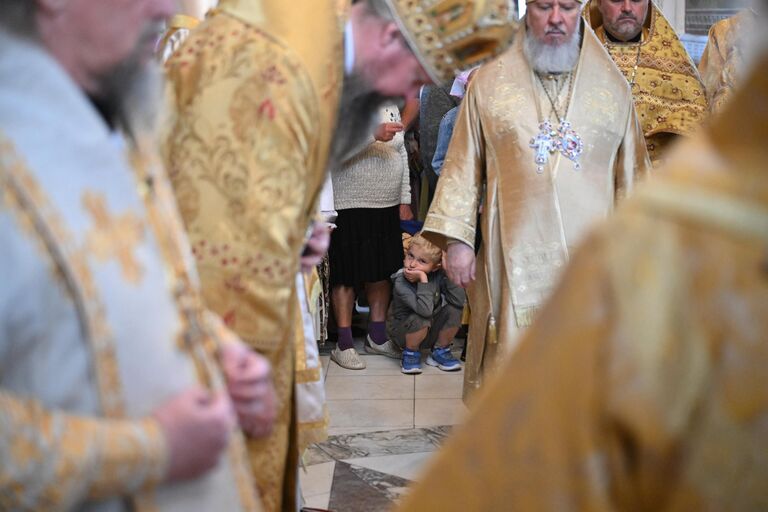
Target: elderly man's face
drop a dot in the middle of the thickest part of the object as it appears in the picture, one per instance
(623, 19)
(553, 22)
(102, 34)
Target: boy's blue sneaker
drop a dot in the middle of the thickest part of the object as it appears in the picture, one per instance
(411, 362)
(443, 359)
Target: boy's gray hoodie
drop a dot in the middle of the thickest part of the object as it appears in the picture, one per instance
(423, 298)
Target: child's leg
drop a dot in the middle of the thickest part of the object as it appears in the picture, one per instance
(413, 339)
(416, 329)
(448, 321)
(445, 337)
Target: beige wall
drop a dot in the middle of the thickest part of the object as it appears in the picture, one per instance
(674, 11)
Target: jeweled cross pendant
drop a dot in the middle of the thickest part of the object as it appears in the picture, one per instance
(545, 144)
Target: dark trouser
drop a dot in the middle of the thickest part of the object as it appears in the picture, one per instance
(445, 317)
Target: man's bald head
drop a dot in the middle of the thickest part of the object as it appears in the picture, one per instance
(623, 19)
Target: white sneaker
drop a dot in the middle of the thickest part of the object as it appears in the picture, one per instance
(348, 359)
(388, 348)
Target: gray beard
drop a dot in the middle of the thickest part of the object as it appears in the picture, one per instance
(546, 58)
(132, 93)
(358, 117)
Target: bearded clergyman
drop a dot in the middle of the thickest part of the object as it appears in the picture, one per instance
(118, 390)
(547, 138)
(669, 96)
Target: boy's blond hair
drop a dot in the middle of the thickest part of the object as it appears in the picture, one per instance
(433, 252)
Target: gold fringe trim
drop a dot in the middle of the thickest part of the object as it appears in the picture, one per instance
(491, 336)
(313, 432)
(308, 375)
(524, 316)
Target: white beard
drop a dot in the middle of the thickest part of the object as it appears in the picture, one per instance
(547, 58)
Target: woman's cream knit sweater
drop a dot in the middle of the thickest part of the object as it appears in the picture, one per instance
(377, 176)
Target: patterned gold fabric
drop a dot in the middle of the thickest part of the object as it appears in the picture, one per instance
(642, 386)
(530, 220)
(722, 61)
(66, 454)
(668, 93)
(256, 94)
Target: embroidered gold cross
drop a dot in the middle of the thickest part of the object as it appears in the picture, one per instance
(114, 237)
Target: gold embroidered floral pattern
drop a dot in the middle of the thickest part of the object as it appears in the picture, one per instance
(246, 157)
(114, 237)
(243, 160)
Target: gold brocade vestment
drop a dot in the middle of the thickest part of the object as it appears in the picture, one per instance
(642, 384)
(256, 98)
(669, 96)
(530, 220)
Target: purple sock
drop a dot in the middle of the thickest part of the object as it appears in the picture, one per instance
(378, 332)
(345, 340)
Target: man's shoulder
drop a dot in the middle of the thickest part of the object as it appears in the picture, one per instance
(722, 29)
(227, 45)
(224, 54)
(596, 61)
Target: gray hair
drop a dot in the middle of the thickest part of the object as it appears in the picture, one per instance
(18, 16)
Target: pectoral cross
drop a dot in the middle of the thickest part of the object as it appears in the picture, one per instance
(545, 144)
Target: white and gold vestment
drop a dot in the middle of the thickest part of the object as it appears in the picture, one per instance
(530, 220)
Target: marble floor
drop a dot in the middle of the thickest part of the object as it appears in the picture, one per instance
(384, 427)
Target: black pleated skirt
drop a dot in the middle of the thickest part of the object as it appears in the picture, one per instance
(366, 246)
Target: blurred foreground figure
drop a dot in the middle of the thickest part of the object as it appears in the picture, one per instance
(722, 65)
(258, 91)
(642, 385)
(111, 397)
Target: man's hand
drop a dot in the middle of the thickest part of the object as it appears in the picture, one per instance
(249, 382)
(415, 276)
(460, 264)
(196, 425)
(316, 247)
(387, 131)
(405, 212)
